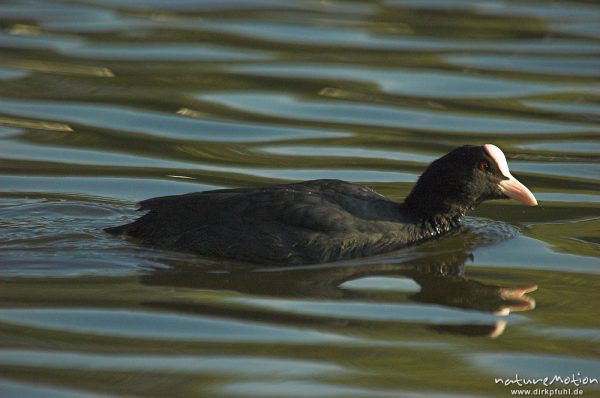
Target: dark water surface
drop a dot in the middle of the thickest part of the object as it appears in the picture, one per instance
(106, 102)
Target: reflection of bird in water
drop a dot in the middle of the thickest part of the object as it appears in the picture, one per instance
(326, 220)
(438, 269)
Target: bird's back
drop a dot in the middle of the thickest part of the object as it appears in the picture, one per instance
(308, 222)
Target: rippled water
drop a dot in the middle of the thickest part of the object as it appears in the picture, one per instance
(104, 103)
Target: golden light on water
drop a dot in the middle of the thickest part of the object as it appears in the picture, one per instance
(35, 124)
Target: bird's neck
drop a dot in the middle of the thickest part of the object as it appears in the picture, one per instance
(442, 224)
(434, 216)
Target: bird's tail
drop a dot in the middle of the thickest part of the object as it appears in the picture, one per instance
(118, 230)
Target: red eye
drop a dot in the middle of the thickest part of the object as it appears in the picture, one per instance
(484, 166)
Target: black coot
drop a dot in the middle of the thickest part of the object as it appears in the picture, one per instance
(326, 220)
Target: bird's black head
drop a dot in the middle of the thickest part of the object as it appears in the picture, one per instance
(461, 180)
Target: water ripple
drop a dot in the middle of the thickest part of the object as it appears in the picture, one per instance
(159, 326)
(105, 103)
(585, 66)
(422, 83)
(284, 105)
(154, 123)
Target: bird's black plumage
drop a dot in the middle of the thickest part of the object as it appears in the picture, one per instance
(321, 220)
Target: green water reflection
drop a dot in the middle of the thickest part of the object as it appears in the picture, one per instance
(105, 103)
